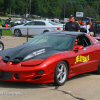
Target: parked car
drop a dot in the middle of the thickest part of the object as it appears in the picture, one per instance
(7, 23)
(56, 23)
(35, 27)
(1, 46)
(1, 43)
(86, 19)
(18, 21)
(53, 21)
(50, 57)
(28, 19)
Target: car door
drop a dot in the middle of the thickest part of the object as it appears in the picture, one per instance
(30, 28)
(27, 28)
(38, 27)
(86, 59)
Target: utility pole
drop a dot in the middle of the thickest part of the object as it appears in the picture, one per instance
(64, 10)
(10, 10)
(30, 8)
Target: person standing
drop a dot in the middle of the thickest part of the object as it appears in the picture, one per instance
(72, 25)
(86, 26)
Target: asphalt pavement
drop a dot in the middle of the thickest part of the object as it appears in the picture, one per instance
(13, 41)
(81, 87)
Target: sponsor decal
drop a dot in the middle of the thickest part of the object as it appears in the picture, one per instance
(84, 49)
(80, 58)
(39, 52)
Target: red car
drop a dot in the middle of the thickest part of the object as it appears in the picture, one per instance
(97, 38)
(50, 57)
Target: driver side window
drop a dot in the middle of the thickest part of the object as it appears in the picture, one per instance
(84, 41)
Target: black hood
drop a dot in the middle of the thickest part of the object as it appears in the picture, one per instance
(26, 52)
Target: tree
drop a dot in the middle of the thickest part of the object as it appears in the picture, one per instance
(50, 7)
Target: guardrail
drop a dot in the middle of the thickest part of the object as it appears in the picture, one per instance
(11, 28)
(6, 28)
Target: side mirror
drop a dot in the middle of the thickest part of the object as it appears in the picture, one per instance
(76, 48)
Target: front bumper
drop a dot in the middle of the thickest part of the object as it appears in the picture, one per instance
(33, 74)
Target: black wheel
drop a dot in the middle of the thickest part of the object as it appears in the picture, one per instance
(46, 31)
(1, 46)
(17, 32)
(97, 71)
(61, 73)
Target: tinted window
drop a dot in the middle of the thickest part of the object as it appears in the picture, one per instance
(59, 42)
(39, 23)
(30, 23)
(84, 41)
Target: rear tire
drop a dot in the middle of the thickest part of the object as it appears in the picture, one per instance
(1, 46)
(17, 32)
(61, 73)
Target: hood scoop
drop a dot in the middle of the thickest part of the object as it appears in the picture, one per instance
(26, 52)
(15, 60)
(6, 58)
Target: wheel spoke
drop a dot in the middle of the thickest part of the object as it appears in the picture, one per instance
(61, 73)
(59, 70)
(62, 67)
(61, 77)
(58, 75)
(17, 33)
(64, 73)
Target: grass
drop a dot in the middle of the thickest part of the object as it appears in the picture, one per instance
(7, 33)
(2, 22)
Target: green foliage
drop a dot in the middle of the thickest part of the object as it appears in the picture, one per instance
(7, 33)
(51, 8)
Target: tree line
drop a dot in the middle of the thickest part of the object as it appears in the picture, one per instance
(51, 8)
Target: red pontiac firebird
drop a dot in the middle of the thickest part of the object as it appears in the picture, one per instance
(50, 57)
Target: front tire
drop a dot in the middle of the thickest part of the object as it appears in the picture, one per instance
(61, 73)
(17, 32)
(97, 71)
(45, 31)
(1, 46)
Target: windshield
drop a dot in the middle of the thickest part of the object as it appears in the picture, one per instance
(59, 42)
